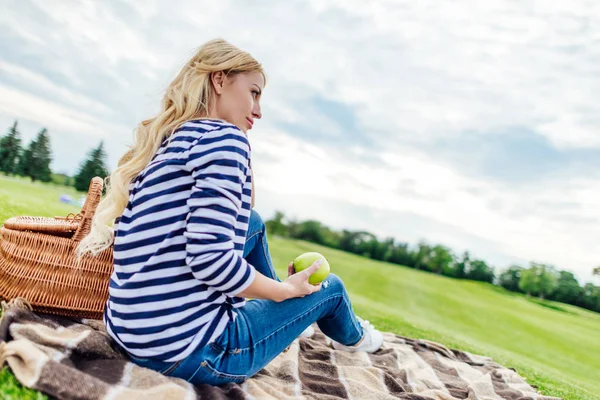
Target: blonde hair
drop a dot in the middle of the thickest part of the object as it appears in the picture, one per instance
(186, 98)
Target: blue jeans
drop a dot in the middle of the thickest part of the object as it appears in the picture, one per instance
(264, 328)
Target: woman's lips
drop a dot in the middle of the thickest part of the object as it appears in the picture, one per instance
(250, 122)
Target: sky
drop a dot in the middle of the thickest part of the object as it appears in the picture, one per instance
(472, 124)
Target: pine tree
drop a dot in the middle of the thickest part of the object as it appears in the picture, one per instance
(10, 149)
(21, 168)
(94, 165)
(35, 161)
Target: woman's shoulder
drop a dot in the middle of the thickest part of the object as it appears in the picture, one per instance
(206, 125)
(205, 131)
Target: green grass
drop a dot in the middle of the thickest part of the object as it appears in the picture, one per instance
(19, 196)
(11, 389)
(555, 346)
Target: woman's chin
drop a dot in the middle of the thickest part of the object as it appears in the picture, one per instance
(245, 126)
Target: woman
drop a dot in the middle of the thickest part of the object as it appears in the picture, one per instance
(188, 248)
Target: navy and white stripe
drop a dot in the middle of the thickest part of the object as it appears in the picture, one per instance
(179, 244)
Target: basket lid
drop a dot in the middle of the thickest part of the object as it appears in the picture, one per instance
(79, 225)
(43, 224)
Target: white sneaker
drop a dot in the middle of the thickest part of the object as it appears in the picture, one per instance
(308, 332)
(371, 341)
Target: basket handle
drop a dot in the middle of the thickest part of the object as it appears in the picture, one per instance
(89, 208)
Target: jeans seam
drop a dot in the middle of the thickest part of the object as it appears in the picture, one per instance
(356, 326)
(216, 373)
(251, 235)
(237, 351)
(171, 368)
(274, 275)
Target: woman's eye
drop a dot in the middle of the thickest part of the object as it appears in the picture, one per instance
(254, 93)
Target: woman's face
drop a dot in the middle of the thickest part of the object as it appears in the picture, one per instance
(238, 98)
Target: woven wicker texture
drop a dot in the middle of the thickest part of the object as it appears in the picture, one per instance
(38, 262)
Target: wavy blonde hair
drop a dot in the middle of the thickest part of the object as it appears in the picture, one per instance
(186, 98)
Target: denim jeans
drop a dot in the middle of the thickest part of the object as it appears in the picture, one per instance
(264, 328)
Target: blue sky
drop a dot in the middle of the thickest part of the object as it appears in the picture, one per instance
(472, 124)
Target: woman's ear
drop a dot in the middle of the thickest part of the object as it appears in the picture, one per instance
(217, 79)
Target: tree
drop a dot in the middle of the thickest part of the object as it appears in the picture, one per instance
(35, 161)
(596, 270)
(548, 281)
(528, 282)
(510, 278)
(591, 297)
(366, 244)
(401, 255)
(275, 226)
(22, 168)
(422, 256)
(539, 279)
(382, 250)
(10, 150)
(292, 228)
(567, 289)
(349, 241)
(462, 265)
(93, 165)
(310, 230)
(480, 271)
(331, 237)
(442, 260)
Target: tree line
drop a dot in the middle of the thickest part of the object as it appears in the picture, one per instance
(537, 279)
(33, 160)
(541, 280)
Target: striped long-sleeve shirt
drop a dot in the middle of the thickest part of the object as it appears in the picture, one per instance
(178, 248)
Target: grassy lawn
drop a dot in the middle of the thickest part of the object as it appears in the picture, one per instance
(22, 197)
(555, 346)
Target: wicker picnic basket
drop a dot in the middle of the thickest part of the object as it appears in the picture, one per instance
(38, 262)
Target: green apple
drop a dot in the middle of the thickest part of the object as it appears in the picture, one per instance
(305, 260)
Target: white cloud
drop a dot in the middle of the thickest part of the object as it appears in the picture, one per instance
(300, 170)
(414, 73)
(29, 107)
(26, 77)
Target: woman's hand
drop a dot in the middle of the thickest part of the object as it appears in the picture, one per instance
(297, 283)
(291, 269)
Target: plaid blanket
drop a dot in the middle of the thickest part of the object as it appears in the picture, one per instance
(74, 359)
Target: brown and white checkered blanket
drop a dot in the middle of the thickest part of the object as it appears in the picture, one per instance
(74, 359)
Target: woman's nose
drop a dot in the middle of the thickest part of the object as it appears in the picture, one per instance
(256, 112)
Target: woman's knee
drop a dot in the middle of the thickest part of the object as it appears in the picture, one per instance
(256, 222)
(333, 283)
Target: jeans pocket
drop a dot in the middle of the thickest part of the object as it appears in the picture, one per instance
(207, 373)
(170, 368)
